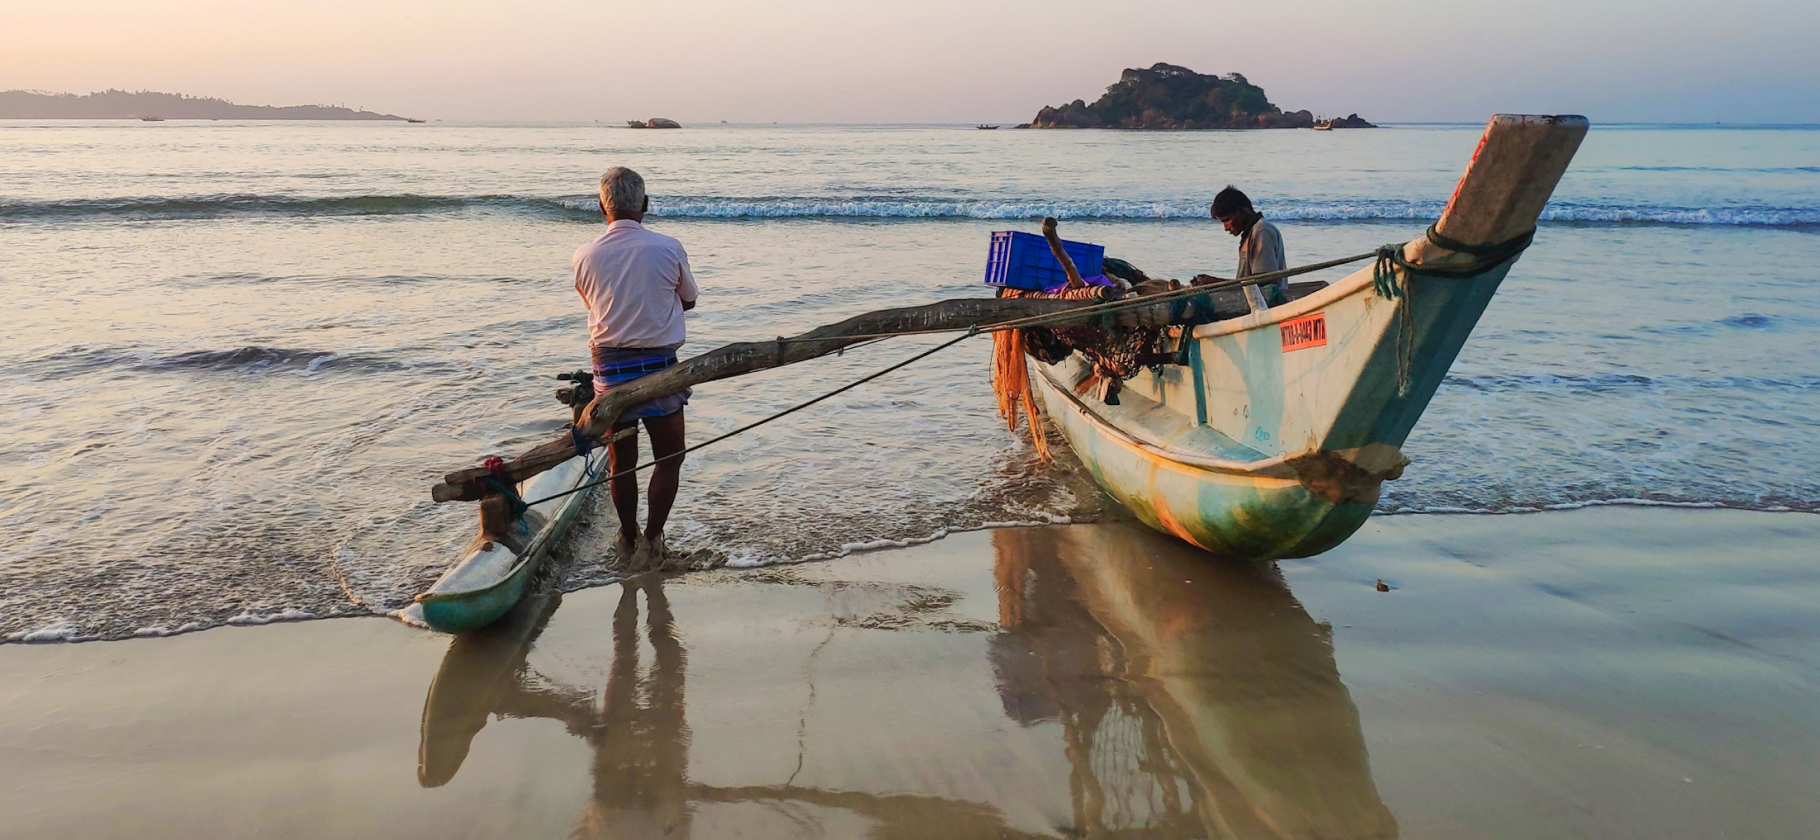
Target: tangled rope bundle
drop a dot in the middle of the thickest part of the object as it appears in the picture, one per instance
(1011, 384)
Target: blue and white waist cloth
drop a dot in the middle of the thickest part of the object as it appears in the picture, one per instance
(614, 366)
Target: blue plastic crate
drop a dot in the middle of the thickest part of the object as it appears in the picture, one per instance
(1020, 260)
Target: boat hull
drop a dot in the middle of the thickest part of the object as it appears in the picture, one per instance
(1349, 403)
(474, 610)
(1229, 513)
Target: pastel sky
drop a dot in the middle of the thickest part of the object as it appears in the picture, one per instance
(929, 60)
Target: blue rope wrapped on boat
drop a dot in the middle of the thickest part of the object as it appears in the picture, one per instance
(518, 504)
(1384, 278)
(1391, 260)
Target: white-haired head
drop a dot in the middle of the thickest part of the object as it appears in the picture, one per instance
(622, 191)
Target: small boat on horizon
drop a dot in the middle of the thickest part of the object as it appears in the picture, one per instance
(985, 127)
(151, 119)
(412, 120)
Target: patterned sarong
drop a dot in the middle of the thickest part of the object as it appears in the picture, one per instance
(615, 366)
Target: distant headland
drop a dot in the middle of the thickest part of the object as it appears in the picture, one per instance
(1168, 96)
(150, 105)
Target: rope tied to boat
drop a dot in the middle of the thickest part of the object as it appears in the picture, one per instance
(1108, 308)
(1394, 276)
(583, 443)
(1392, 263)
(496, 479)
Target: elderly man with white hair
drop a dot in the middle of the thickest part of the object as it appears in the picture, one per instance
(636, 284)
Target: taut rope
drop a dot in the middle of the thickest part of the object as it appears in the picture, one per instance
(755, 424)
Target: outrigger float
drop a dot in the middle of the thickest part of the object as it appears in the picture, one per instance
(496, 570)
(1267, 433)
(499, 565)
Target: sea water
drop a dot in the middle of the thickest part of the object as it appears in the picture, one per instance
(235, 356)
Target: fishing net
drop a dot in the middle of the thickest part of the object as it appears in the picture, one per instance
(1113, 352)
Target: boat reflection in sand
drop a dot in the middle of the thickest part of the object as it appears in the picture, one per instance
(1194, 698)
(483, 673)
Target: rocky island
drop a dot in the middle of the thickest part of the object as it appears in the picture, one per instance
(1168, 96)
(145, 104)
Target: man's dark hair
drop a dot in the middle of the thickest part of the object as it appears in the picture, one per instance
(1229, 201)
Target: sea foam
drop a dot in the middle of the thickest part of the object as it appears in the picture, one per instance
(893, 207)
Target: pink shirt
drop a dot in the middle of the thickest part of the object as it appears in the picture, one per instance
(634, 282)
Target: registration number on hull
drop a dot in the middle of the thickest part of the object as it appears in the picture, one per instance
(1304, 332)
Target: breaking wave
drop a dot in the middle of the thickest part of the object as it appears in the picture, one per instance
(586, 208)
(215, 206)
(1616, 381)
(1394, 506)
(73, 361)
(251, 356)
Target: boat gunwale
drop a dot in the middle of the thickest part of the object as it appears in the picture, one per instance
(1418, 251)
(1321, 298)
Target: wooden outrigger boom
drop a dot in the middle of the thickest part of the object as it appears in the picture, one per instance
(751, 356)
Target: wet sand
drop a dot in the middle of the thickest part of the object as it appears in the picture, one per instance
(1600, 673)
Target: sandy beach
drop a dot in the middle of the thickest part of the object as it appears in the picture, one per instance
(1246, 442)
(1614, 672)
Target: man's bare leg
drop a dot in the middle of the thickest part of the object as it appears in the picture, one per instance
(622, 456)
(666, 439)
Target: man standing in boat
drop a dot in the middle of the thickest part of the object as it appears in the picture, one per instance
(636, 284)
(1260, 246)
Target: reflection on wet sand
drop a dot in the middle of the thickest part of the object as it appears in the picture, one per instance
(1196, 696)
(638, 731)
(482, 673)
(1192, 698)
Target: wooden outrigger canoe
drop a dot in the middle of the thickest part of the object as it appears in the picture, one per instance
(1272, 441)
(493, 574)
(1275, 439)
